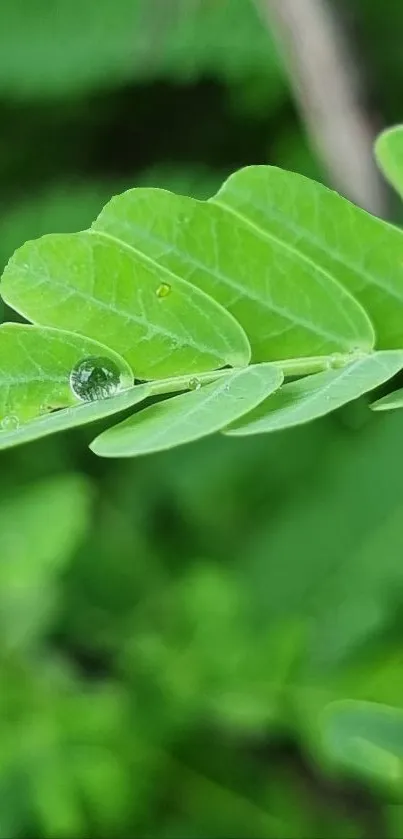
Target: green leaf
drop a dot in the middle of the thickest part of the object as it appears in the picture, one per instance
(314, 396)
(66, 207)
(366, 739)
(389, 153)
(35, 368)
(361, 252)
(97, 286)
(73, 417)
(191, 415)
(287, 304)
(389, 402)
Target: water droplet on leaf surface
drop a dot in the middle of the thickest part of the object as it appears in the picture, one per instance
(163, 290)
(95, 378)
(194, 384)
(10, 423)
(337, 360)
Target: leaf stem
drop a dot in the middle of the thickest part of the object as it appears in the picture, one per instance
(188, 382)
(291, 367)
(311, 364)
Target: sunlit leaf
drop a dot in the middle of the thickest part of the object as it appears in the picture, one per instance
(288, 304)
(359, 251)
(97, 286)
(314, 396)
(191, 415)
(389, 153)
(35, 368)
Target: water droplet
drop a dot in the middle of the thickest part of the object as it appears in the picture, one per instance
(10, 423)
(95, 378)
(337, 359)
(163, 290)
(194, 384)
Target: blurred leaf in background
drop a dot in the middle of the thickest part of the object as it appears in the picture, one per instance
(67, 47)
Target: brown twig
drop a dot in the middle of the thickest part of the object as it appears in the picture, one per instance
(324, 78)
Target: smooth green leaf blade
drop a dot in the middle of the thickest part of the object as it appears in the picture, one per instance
(35, 368)
(288, 305)
(365, 738)
(389, 402)
(359, 251)
(190, 416)
(389, 153)
(314, 396)
(73, 417)
(97, 286)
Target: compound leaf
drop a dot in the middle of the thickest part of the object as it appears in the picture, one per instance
(275, 266)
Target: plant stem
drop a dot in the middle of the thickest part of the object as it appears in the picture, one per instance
(290, 367)
(308, 365)
(185, 382)
(322, 67)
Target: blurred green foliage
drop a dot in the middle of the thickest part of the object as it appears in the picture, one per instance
(172, 628)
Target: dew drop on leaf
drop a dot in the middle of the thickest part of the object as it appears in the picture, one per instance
(10, 423)
(95, 378)
(163, 290)
(337, 360)
(194, 384)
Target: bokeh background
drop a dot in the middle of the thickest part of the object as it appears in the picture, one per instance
(172, 627)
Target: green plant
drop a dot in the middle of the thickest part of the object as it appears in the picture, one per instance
(274, 277)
